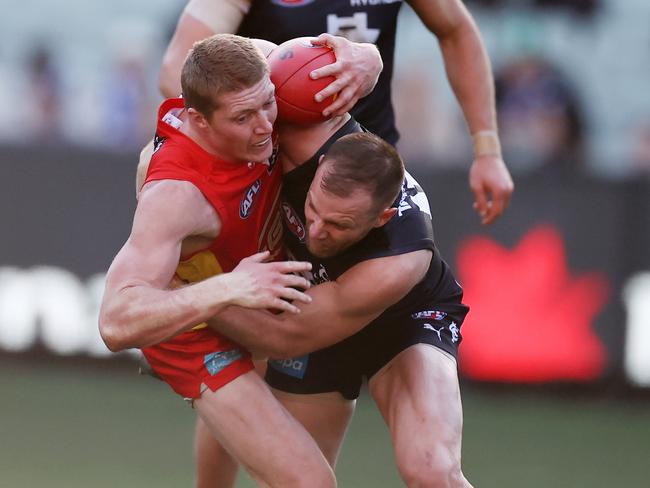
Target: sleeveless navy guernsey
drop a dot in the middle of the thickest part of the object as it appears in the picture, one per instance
(409, 230)
(373, 21)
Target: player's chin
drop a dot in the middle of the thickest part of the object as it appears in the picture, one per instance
(320, 251)
(261, 152)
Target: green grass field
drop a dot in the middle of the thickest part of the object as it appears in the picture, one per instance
(86, 426)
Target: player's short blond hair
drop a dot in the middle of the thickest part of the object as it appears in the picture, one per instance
(220, 64)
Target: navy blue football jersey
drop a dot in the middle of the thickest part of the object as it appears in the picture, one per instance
(409, 230)
(373, 21)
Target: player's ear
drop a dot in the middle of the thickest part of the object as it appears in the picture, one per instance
(197, 118)
(385, 216)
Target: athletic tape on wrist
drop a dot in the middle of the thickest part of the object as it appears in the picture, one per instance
(486, 143)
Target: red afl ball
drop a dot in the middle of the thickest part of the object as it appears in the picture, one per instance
(291, 62)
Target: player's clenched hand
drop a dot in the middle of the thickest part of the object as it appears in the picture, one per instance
(356, 70)
(490, 181)
(256, 283)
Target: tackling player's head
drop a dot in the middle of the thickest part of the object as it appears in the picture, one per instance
(353, 190)
(230, 97)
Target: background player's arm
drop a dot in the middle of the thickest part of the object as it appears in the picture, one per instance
(356, 70)
(338, 308)
(138, 309)
(200, 19)
(470, 75)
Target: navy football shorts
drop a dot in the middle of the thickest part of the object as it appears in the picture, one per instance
(343, 366)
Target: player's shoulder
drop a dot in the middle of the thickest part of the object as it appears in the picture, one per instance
(176, 205)
(171, 193)
(173, 157)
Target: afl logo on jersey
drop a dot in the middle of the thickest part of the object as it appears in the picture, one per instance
(292, 3)
(293, 222)
(246, 205)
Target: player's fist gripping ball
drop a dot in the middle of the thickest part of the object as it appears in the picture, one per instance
(291, 62)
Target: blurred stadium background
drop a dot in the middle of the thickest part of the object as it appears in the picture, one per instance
(556, 358)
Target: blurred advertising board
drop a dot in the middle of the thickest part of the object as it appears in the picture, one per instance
(559, 287)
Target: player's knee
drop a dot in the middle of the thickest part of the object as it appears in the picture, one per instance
(430, 467)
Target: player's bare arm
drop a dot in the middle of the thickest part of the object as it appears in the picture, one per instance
(470, 75)
(200, 19)
(338, 308)
(356, 70)
(139, 310)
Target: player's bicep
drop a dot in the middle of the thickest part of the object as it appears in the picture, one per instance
(167, 213)
(143, 262)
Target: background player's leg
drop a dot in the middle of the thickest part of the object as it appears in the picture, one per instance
(419, 398)
(215, 467)
(251, 424)
(326, 416)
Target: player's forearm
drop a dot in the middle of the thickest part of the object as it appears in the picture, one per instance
(139, 316)
(287, 335)
(343, 307)
(275, 336)
(261, 332)
(470, 75)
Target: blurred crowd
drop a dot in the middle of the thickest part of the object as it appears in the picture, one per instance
(571, 84)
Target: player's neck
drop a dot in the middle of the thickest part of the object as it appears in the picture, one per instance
(195, 134)
(299, 143)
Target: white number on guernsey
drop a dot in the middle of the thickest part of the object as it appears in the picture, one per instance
(353, 28)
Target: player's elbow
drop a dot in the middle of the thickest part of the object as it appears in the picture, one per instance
(109, 334)
(111, 331)
(460, 30)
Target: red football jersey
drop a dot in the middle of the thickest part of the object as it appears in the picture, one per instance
(247, 199)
